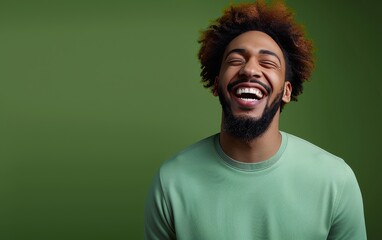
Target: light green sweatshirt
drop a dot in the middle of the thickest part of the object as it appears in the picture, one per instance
(301, 193)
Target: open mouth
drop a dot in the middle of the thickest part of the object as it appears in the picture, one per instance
(249, 94)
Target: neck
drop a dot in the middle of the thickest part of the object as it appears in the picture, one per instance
(256, 150)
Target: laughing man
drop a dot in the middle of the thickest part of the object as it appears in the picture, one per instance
(252, 181)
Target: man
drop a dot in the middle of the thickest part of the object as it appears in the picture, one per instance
(252, 181)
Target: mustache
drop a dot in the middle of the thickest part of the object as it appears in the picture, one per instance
(234, 83)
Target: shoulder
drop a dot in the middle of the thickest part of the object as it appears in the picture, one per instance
(195, 157)
(305, 149)
(194, 152)
(317, 161)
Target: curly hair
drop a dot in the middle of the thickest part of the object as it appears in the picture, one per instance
(276, 21)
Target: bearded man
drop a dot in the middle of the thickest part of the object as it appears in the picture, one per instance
(251, 180)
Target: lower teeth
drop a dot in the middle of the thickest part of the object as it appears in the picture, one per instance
(247, 99)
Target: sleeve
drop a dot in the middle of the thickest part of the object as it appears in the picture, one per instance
(158, 223)
(348, 222)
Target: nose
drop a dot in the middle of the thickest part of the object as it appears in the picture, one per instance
(250, 69)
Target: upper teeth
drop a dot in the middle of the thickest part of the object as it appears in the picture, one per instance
(255, 91)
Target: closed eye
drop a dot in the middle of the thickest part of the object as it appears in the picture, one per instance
(235, 61)
(269, 64)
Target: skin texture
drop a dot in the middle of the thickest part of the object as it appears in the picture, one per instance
(252, 59)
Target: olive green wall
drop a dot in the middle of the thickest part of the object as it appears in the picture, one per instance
(94, 95)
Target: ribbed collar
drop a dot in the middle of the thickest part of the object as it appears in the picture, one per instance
(251, 166)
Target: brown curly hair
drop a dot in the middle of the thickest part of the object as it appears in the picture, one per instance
(276, 21)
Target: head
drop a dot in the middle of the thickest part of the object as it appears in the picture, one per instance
(256, 59)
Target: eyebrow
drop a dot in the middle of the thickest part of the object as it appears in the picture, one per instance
(262, 51)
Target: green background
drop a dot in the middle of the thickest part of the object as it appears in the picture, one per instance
(95, 95)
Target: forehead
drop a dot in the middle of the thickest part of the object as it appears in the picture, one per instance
(254, 41)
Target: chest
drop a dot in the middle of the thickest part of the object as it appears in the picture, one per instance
(258, 209)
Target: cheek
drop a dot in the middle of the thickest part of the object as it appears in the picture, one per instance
(276, 80)
(227, 75)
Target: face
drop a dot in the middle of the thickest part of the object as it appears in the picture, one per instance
(251, 84)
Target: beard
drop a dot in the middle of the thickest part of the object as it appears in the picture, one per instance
(248, 128)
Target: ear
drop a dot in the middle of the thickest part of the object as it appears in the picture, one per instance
(287, 92)
(215, 87)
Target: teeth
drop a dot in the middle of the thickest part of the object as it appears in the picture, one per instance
(247, 99)
(255, 91)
